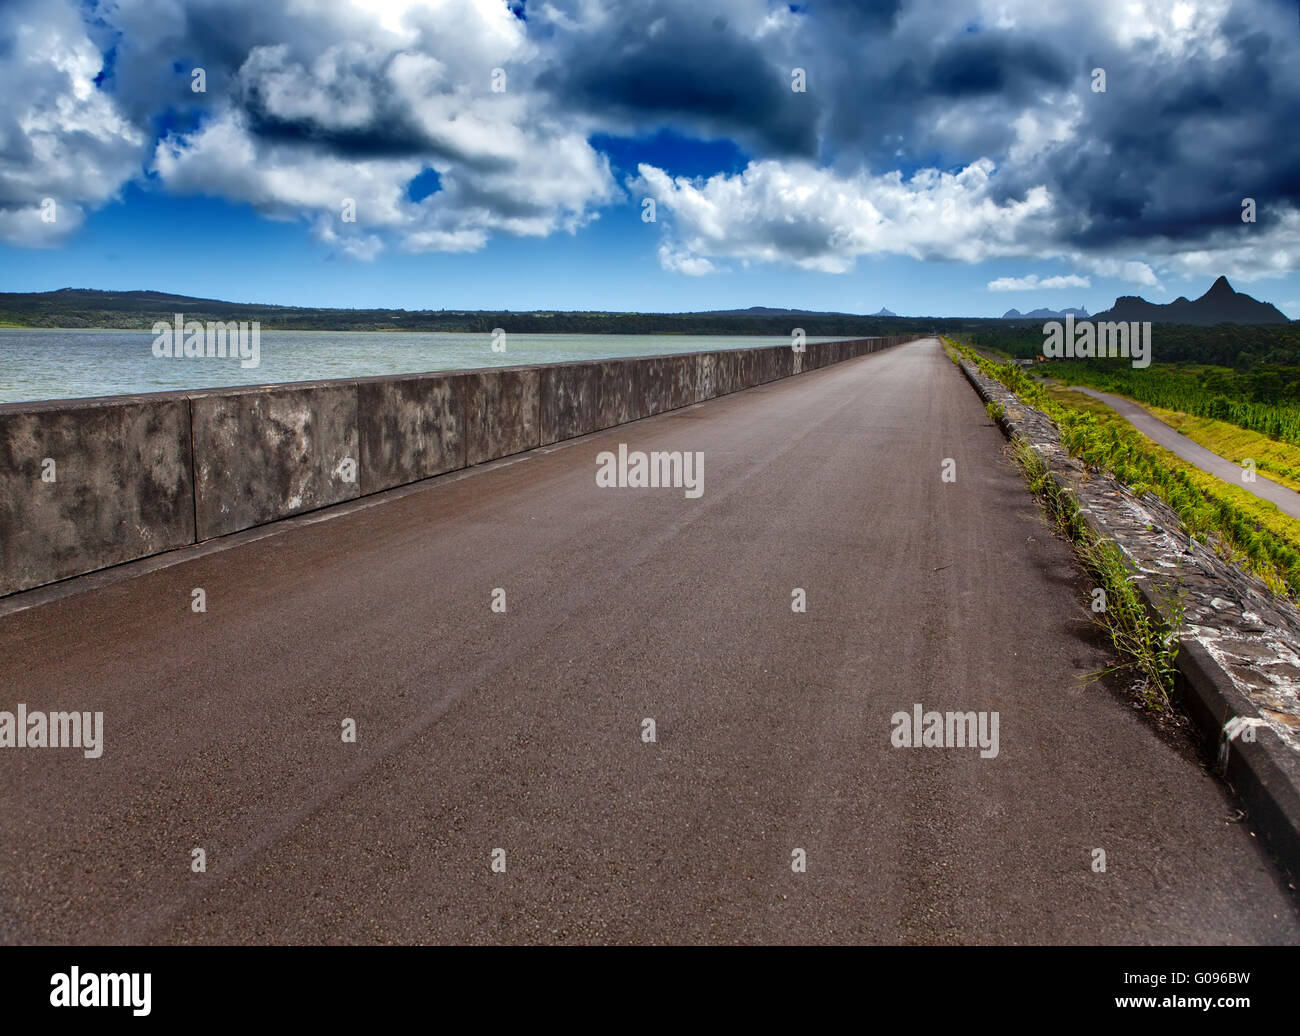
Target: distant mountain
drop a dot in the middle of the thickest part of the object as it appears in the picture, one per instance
(884, 313)
(1220, 305)
(768, 311)
(1045, 314)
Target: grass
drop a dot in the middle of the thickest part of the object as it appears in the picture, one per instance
(1146, 641)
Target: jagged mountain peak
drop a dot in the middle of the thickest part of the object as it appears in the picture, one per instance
(1222, 304)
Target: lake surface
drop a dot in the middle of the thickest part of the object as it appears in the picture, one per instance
(47, 364)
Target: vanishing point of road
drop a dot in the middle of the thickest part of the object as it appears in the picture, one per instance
(522, 731)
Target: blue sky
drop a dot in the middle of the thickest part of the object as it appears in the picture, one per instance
(939, 152)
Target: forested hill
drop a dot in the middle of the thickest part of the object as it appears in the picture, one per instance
(77, 307)
(1225, 345)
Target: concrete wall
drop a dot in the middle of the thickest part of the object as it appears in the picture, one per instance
(503, 413)
(85, 484)
(134, 476)
(266, 453)
(411, 427)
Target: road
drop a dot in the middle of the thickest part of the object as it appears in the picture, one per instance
(521, 731)
(1287, 500)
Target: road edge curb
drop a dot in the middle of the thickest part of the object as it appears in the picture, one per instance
(1263, 773)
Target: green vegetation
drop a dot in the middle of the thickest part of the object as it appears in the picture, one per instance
(1147, 642)
(1240, 348)
(1259, 392)
(1250, 410)
(1264, 400)
(995, 411)
(1240, 526)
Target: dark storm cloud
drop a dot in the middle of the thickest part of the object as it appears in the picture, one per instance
(669, 66)
(1172, 148)
(388, 132)
(390, 140)
(855, 15)
(157, 46)
(1001, 64)
(1169, 151)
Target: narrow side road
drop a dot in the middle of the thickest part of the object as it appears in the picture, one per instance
(1287, 500)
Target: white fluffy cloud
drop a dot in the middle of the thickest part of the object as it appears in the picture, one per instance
(676, 261)
(1033, 282)
(1131, 270)
(820, 220)
(60, 137)
(358, 121)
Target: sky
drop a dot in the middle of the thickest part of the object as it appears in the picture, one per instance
(935, 158)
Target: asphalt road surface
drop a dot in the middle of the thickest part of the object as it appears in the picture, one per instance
(1287, 500)
(522, 731)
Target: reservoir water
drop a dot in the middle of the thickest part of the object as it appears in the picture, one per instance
(54, 364)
